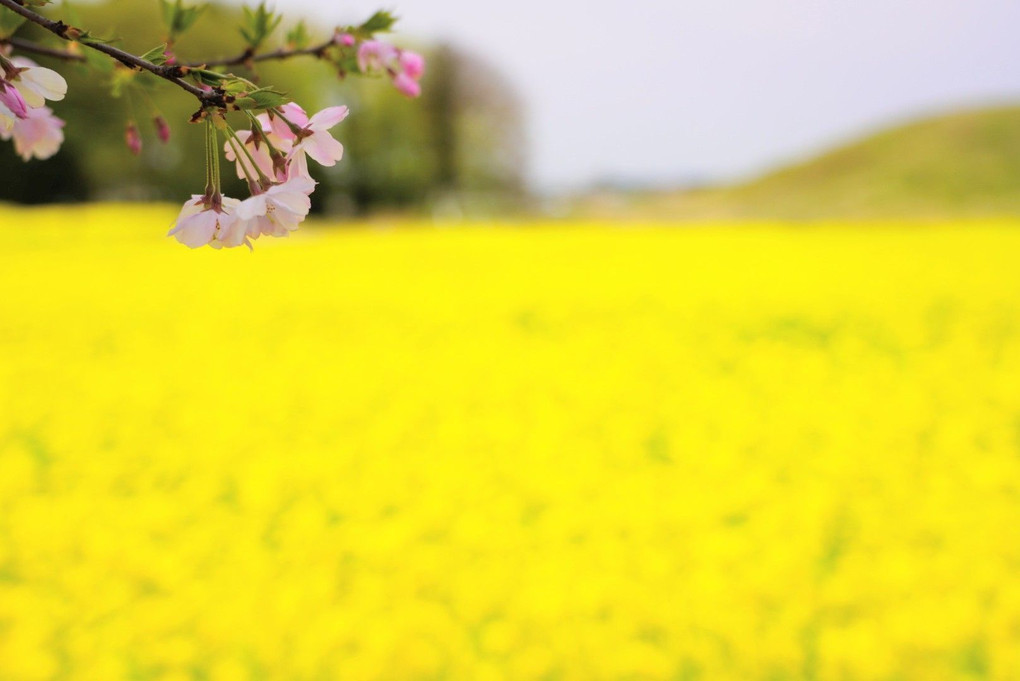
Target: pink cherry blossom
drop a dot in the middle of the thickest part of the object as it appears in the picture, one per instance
(232, 233)
(242, 163)
(298, 167)
(199, 224)
(37, 84)
(404, 67)
(315, 139)
(277, 211)
(276, 124)
(375, 55)
(37, 135)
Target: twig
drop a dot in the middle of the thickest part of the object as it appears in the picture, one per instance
(35, 48)
(171, 73)
(283, 53)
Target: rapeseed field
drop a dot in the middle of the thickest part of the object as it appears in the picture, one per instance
(562, 451)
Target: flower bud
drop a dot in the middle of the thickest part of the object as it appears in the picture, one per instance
(133, 138)
(12, 99)
(406, 85)
(345, 39)
(412, 63)
(162, 129)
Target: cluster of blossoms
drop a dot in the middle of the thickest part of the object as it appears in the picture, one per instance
(24, 88)
(273, 158)
(404, 67)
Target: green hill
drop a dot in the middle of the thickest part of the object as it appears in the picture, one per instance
(963, 164)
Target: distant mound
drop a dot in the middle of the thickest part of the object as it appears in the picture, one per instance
(959, 165)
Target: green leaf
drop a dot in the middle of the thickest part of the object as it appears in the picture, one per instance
(233, 87)
(207, 77)
(86, 38)
(267, 98)
(380, 22)
(297, 37)
(245, 103)
(186, 17)
(156, 55)
(262, 98)
(259, 24)
(9, 22)
(167, 11)
(179, 18)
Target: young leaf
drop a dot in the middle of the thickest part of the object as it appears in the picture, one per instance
(179, 18)
(156, 55)
(267, 99)
(168, 12)
(234, 87)
(297, 37)
(259, 24)
(380, 22)
(187, 16)
(207, 77)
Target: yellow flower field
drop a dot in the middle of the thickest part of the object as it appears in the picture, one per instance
(531, 452)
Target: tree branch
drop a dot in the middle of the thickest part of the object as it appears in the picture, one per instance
(283, 53)
(35, 48)
(170, 73)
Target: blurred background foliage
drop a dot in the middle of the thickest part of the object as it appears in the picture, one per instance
(458, 149)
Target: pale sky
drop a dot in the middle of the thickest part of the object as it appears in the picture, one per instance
(665, 91)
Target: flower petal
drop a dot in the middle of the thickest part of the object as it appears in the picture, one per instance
(31, 97)
(293, 202)
(251, 207)
(46, 82)
(327, 118)
(323, 148)
(196, 230)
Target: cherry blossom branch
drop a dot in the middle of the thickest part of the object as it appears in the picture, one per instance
(171, 73)
(283, 53)
(244, 58)
(35, 48)
(272, 156)
(239, 60)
